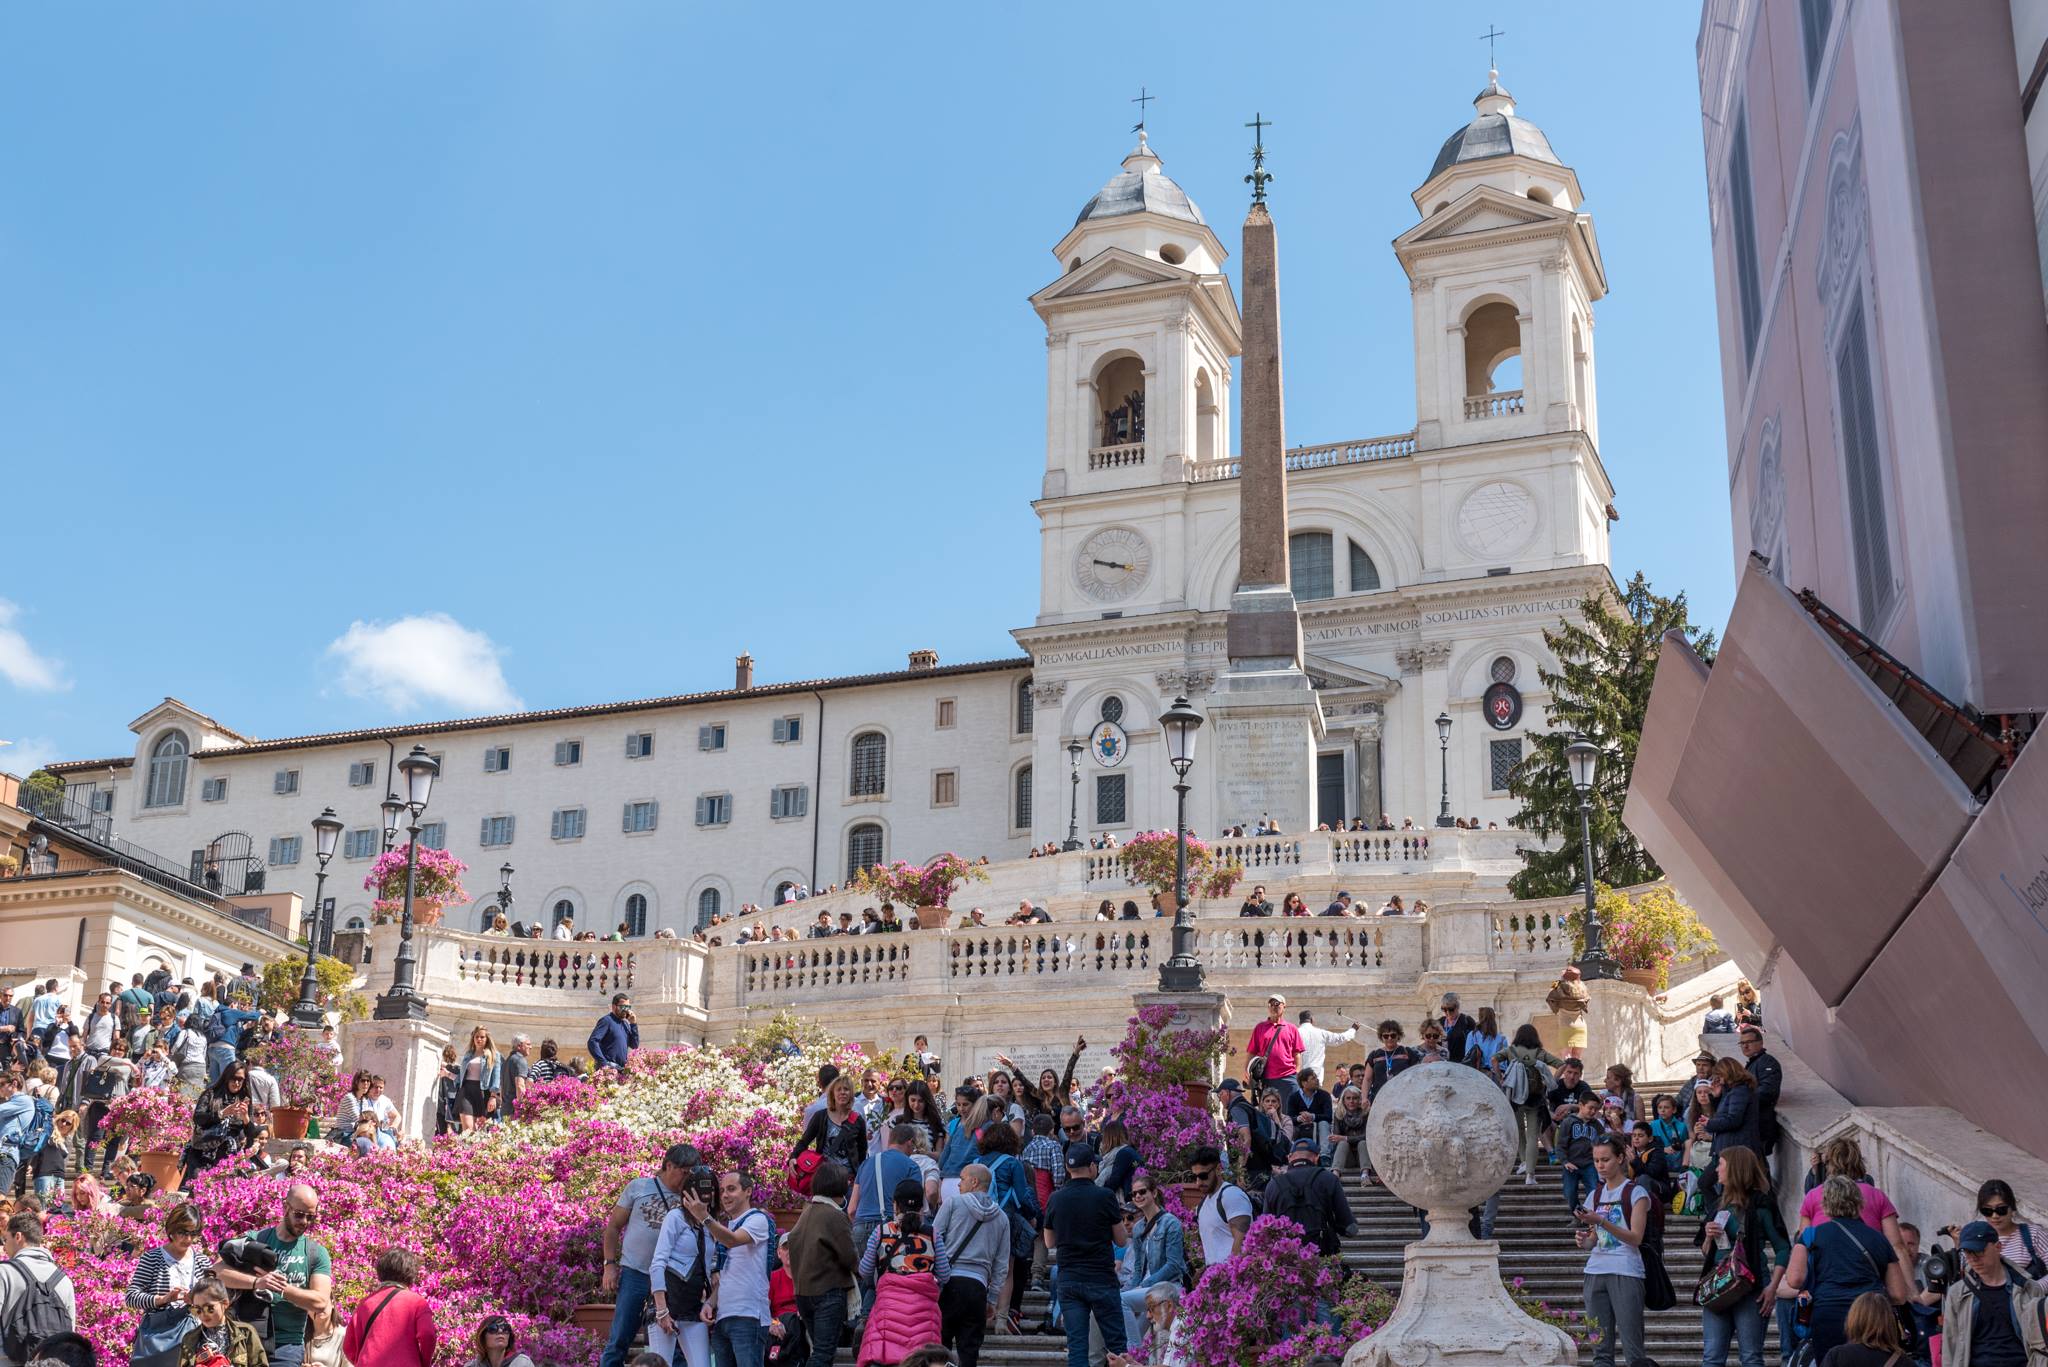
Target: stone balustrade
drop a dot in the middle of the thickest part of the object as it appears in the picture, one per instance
(1116, 457)
(1506, 403)
(1305, 458)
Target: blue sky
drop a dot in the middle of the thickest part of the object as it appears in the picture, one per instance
(381, 361)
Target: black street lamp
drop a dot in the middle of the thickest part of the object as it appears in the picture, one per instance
(1443, 742)
(306, 1012)
(1182, 972)
(404, 1001)
(1073, 840)
(394, 817)
(1584, 758)
(505, 891)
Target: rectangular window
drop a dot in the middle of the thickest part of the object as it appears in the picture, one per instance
(1814, 19)
(568, 753)
(1023, 820)
(711, 737)
(284, 849)
(1311, 565)
(788, 730)
(640, 745)
(497, 759)
(946, 714)
(361, 844)
(567, 823)
(1501, 758)
(434, 836)
(1109, 800)
(213, 790)
(1742, 223)
(641, 816)
(285, 782)
(103, 799)
(946, 788)
(714, 809)
(362, 773)
(496, 831)
(792, 800)
(1863, 465)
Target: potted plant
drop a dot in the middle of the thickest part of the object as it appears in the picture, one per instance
(436, 884)
(1645, 934)
(1150, 857)
(307, 1079)
(926, 888)
(154, 1122)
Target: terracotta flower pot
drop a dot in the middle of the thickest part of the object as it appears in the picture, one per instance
(1645, 978)
(785, 1220)
(1198, 1095)
(1192, 1194)
(594, 1317)
(164, 1166)
(289, 1122)
(931, 918)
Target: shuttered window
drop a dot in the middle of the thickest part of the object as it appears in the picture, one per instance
(213, 790)
(497, 759)
(434, 836)
(568, 823)
(1310, 569)
(362, 773)
(714, 809)
(640, 745)
(707, 906)
(636, 914)
(568, 752)
(789, 801)
(361, 844)
(285, 782)
(1864, 469)
(946, 788)
(496, 831)
(284, 849)
(640, 817)
(1742, 223)
(167, 772)
(711, 737)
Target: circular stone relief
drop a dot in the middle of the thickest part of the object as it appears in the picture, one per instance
(1496, 519)
(1442, 1136)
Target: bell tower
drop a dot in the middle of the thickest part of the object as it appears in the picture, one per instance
(1504, 270)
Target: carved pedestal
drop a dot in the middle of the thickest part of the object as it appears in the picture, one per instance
(407, 1055)
(1198, 1011)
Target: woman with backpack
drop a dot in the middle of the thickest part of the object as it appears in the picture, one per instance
(1010, 1187)
(1485, 1042)
(909, 1265)
(1526, 1078)
(102, 1086)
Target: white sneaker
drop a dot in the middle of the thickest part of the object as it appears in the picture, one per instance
(1530, 1180)
(1520, 1169)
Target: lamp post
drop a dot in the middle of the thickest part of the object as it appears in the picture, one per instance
(1182, 972)
(306, 1012)
(1443, 742)
(1584, 759)
(505, 891)
(1073, 840)
(403, 1001)
(394, 816)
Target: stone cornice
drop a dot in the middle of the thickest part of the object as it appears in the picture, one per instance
(26, 898)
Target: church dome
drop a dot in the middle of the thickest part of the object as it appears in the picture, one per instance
(1494, 132)
(1141, 187)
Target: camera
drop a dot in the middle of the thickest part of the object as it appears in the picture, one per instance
(704, 1182)
(253, 1259)
(1944, 1268)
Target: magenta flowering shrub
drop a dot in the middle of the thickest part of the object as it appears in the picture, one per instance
(1158, 1056)
(150, 1119)
(567, 1093)
(1244, 1309)
(919, 885)
(436, 884)
(1151, 857)
(304, 1069)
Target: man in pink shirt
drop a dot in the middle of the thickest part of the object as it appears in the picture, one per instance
(1279, 1043)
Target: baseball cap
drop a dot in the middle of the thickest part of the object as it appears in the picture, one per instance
(1303, 1148)
(1080, 1155)
(1976, 1236)
(1280, 997)
(1342, 895)
(1230, 1084)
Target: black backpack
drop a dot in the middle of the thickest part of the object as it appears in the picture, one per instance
(1292, 1196)
(33, 1316)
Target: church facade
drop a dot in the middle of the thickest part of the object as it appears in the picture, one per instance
(1427, 564)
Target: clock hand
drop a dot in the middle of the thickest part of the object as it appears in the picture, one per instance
(1113, 565)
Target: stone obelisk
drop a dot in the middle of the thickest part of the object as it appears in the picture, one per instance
(1264, 714)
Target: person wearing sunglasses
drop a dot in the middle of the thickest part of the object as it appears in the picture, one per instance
(1158, 1256)
(2018, 1244)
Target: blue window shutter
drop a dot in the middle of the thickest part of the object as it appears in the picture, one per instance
(803, 801)
(701, 819)
(483, 832)
(653, 815)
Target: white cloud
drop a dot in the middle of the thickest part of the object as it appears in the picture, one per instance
(24, 755)
(427, 659)
(20, 665)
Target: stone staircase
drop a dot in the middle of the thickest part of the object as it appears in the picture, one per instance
(1535, 1235)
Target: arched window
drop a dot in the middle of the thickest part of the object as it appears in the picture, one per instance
(863, 847)
(1493, 336)
(487, 912)
(354, 923)
(870, 765)
(1023, 818)
(782, 891)
(1365, 576)
(1308, 558)
(636, 914)
(1120, 399)
(565, 910)
(1024, 706)
(1207, 418)
(707, 906)
(167, 771)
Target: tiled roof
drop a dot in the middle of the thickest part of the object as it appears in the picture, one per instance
(571, 713)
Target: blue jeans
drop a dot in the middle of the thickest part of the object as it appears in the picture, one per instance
(1742, 1326)
(288, 1354)
(1577, 1182)
(863, 1226)
(218, 1057)
(824, 1317)
(740, 1341)
(1078, 1301)
(634, 1290)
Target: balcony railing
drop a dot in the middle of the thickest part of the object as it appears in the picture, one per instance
(1506, 403)
(1313, 457)
(1116, 457)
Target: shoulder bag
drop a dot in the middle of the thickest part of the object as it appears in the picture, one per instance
(1729, 1282)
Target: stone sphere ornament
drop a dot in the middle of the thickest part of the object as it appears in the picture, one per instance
(1442, 1138)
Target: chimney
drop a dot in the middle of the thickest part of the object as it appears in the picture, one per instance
(743, 672)
(922, 660)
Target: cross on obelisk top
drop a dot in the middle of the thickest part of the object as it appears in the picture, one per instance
(1141, 99)
(1488, 38)
(1260, 175)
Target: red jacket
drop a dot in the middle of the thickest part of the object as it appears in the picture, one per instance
(402, 1334)
(1284, 1041)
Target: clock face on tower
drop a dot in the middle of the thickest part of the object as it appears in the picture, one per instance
(1113, 564)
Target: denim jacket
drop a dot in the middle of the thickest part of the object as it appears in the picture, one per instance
(1159, 1252)
(960, 1149)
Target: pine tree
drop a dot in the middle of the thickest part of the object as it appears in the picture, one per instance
(1608, 663)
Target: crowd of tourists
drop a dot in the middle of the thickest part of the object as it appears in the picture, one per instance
(928, 1213)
